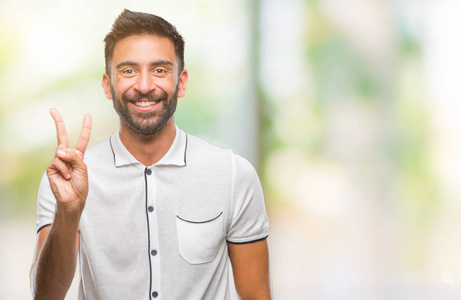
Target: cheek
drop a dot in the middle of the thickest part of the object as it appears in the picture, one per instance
(167, 85)
(123, 85)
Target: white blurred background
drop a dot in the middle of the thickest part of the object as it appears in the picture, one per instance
(348, 108)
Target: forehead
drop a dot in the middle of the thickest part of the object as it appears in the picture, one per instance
(143, 49)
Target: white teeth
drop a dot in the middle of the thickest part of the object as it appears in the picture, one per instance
(145, 103)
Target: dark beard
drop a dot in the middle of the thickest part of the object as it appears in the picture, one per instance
(145, 123)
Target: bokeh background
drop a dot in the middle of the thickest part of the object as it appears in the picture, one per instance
(349, 110)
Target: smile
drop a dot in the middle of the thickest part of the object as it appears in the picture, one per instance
(145, 103)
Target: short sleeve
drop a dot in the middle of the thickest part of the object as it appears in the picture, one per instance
(249, 222)
(46, 204)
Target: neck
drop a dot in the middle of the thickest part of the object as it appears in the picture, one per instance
(148, 149)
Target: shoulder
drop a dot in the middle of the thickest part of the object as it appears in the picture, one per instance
(244, 170)
(202, 152)
(195, 143)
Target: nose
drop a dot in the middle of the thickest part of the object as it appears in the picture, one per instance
(145, 83)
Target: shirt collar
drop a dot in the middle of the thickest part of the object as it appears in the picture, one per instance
(175, 156)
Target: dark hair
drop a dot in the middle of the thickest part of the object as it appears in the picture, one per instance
(136, 23)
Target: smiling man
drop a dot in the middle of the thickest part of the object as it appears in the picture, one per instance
(152, 212)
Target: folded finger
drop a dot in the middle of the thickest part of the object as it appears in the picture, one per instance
(72, 157)
(59, 166)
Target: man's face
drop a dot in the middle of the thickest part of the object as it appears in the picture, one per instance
(144, 83)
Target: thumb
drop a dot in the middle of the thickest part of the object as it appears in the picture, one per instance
(72, 157)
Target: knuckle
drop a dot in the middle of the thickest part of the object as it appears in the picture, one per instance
(74, 154)
(79, 153)
(62, 147)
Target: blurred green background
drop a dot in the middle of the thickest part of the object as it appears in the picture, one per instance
(349, 110)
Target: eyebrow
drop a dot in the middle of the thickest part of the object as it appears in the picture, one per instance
(152, 64)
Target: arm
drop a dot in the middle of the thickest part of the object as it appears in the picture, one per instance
(54, 262)
(250, 265)
(57, 246)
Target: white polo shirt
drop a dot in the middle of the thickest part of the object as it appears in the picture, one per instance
(160, 232)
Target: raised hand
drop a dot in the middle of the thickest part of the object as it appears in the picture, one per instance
(67, 172)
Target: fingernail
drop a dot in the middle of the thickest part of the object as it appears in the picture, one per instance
(68, 176)
(61, 153)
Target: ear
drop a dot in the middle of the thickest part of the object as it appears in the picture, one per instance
(182, 83)
(106, 86)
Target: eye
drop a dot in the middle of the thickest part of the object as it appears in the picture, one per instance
(128, 71)
(159, 71)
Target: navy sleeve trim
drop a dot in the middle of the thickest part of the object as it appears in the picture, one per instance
(46, 225)
(249, 242)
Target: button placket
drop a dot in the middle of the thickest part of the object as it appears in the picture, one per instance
(153, 232)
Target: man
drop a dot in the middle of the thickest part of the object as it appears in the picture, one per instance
(152, 212)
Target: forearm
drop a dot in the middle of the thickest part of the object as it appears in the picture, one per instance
(55, 265)
(250, 265)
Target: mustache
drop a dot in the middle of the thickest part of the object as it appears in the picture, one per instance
(141, 96)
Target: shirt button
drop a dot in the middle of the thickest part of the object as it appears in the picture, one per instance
(148, 171)
(150, 208)
(153, 252)
(155, 294)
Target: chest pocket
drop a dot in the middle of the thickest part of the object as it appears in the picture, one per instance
(199, 240)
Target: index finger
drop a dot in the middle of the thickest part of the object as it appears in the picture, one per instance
(60, 128)
(84, 135)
